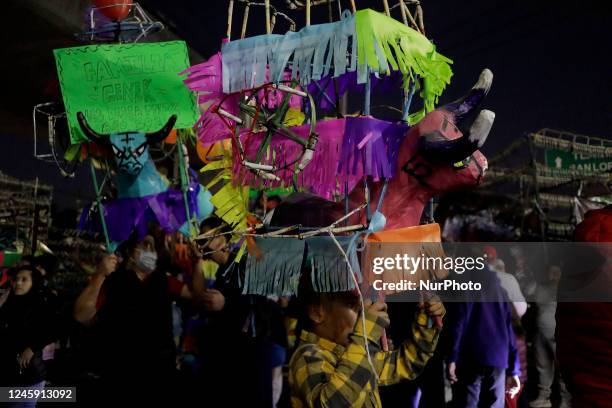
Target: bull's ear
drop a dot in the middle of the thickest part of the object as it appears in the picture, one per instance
(467, 104)
(92, 135)
(435, 147)
(161, 134)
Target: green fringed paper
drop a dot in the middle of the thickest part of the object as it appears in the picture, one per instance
(384, 44)
(277, 271)
(330, 272)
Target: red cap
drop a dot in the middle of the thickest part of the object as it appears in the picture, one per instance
(490, 252)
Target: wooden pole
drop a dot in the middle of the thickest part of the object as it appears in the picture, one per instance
(412, 20)
(100, 206)
(184, 178)
(307, 12)
(329, 11)
(408, 100)
(230, 15)
(245, 19)
(419, 13)
(386, 5)
(268, 29)
(366, 102)
(403, 10)
(353, 7)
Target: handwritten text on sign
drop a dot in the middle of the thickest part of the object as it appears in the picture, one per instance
(125, 87)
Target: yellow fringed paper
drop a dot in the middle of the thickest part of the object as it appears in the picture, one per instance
(230, 201)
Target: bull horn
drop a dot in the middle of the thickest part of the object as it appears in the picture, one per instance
(161, 134)
(98, 138)
(433, 146)
(466, 104)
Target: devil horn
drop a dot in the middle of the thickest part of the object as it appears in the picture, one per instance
(101, 139)
(433, 146)
(162, 133)
(460, 108)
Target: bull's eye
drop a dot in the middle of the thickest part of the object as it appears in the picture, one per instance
(140, 150)
(117, 152)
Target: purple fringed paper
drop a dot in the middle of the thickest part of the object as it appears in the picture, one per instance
(319, 176)
(348, 149)
(125, 215)
(370, 148)
(348, 83)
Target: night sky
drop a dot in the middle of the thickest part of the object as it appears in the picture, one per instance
(551, 62)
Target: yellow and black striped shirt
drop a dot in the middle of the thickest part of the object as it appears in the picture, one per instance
(325, 374)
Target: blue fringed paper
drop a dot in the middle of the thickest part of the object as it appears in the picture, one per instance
(330, 272)
(277, 271)
(312, 51)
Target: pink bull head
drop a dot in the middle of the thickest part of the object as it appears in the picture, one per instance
(435, 157)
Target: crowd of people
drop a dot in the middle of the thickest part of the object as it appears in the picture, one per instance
(164, 319)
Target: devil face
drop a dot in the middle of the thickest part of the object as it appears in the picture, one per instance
(130, 150)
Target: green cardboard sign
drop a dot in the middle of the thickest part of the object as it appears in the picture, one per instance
(125, 87)
(561, 159)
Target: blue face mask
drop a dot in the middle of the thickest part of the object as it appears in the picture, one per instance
(147, 260)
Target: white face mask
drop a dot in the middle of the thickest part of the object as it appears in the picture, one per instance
(147, 260)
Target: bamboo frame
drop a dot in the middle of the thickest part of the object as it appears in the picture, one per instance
(267, 6)
(409, 19)
(366, 100)
(271, 14)
(419, 13)
(245, 19)
(332, 228)
(403, 11)
(230, 15)
(307, 13)
(408, 101)
(273, 21)
(100, 206)
(184, 177)
(386, 6)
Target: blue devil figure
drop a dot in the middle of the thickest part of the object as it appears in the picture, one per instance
(142, 193)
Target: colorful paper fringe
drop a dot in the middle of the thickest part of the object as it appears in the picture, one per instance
(319, 176)
(376, 42)
(277, 271)
(313, 51)
(125, 215)
(417, 241)
(330, 272)
(370, 147)
(348, 149)
(230, 201)
(384, 44)
(205, 79)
